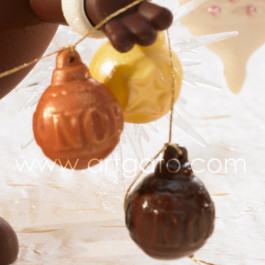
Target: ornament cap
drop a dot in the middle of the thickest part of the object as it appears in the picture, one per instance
(69, 68)
(175, 151)
(175, 163)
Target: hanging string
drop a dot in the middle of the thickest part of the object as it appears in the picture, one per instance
(200, 262)
(173, 86)
(140, 173)
(25, 65)
(98, 26)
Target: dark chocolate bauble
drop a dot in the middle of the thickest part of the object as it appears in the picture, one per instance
(77, 122)
(22, 38)
(170, 213)
(8, 243)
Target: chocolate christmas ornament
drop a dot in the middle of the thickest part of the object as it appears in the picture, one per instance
(77, 121)
(133, 76)
(27, 27)
(170, 213)
(8, 243)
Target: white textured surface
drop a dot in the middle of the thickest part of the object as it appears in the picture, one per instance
(65, 217)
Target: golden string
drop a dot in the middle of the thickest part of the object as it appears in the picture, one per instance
(25, 65)
(99, 25)
(173, 87)
(200, 262)
(140, 173)
(170, 124)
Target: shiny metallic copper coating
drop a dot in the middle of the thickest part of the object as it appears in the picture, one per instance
(170, 213)
(77, 122)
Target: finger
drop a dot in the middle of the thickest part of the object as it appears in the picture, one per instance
(120, 37)
(142, 29)
(160, 17)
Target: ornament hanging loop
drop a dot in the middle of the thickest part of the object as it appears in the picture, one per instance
(67, 56)
(69, 67)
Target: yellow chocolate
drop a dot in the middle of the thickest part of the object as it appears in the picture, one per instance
(140, 79)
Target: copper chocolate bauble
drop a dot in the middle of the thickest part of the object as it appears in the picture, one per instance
(8, 243)
(77, 121)
(170, 213)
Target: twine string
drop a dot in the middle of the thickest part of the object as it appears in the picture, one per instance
(140, 174)
(173, 87)
(25, 65)
(173, 84)
(199, 262)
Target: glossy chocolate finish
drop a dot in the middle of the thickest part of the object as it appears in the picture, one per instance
(170, 215)
(16, 14)
(19, 46)
(137, 25)
(8, 243)
(23, 37)
(77, 119)
(48, 11)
